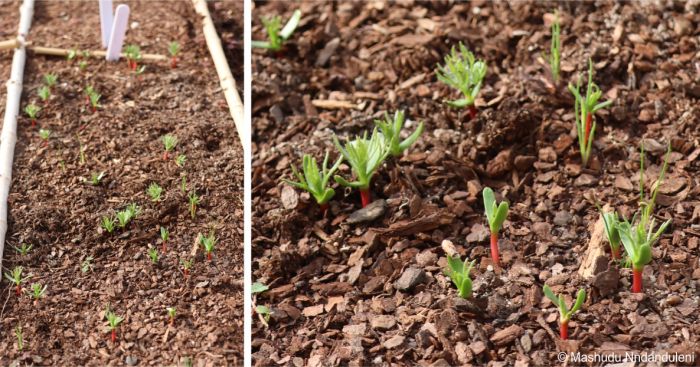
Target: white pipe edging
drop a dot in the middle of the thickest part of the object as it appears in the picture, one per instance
(8, 137)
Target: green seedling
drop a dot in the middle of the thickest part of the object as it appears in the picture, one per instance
(127, 215)
(153, 255)
(44, 94)
(173, 50)
(183, 183)
(169, 143)
(186, 265)
(171, 314)
(32, 110)
(93, 98)
(107, 223)
(462, 72)
(554, 57)
(612, 221)
(38, 292)
(164, 234)
(391, 129)
(584, 108)
(132, 53)
(50, 80)
(44, 134)
(96, 178)
(258, 287)
(154, 191)
(365, 157)
(275, 36)
(315, 181)
(72, 54)
(262, 311)
(564, 312)
(82, 65)
(180, 160)
(86, 265)
(188, 362)
(495, 214)
(81, 154)
(20, 338)
(194, 200)
(16, 278)
(113, 322)
(23, 249)
(458, 272)
(208, 243)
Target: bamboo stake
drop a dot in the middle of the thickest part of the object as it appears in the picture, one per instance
(8, 137)
(9, 44)
(228, 84)
(54, 51)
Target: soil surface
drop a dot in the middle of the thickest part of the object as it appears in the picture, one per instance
(374, 292)
(228, 20)
(54, 209)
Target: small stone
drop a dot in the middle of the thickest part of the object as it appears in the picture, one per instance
(646, 115)
(585, 180)
(526, 342)
(426, 258)
(547, 154)
(562, 218)
(673, 300)
(369, 213)
(383, 322)
(131, 360)
(606, 282)
(410, 278)
(289, 197)
(394, 342)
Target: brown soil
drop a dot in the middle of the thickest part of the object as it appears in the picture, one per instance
(228, 16)
(332, 284)
(54, 210)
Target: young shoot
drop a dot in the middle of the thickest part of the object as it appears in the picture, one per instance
(44, 134)
(38, 292)
(23, 249)
(93, 98)
(584, 108)
(50, 80)
(275, 36)
(82, 65)
(180, 160)
(20, 338)
(15, 277)
(125, 216)
(462, 72)
(171, 314)
(365, 157)
(458, 272)
(315, 181)
(113, 322)
(263, 312)
(173, 50)
(612, 221)
(164, 234)
(554, 50)
(153, 255)
(495, 214)
(86, 265)
(72, 54)
(186, 265)
(169, 143)
(107, 223)
(96, 178)
(133, 56)
(391, 129)
(44, 94)
(208, 243)
(194, 200)
(564, 312)
(154, 191)
(32, 110)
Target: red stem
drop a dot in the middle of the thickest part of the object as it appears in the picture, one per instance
(637, 280)
(616, 253)
(165, 155)
(18, 290)
(173, 62)
(114, 335)
(564, 330)
(589, 120)
(187, 272)
(494, 249)
(208, 256)
(324, 208)
(163, 247)
(33, 122)
(472, 112)
(366, 197)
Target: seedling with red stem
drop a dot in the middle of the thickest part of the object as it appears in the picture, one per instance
(186, 265)
(365, 157)
(16, 278)
(194, 200)
(153, 255)
(32, 110)
(50, 80)
(93, 98)
(458, 272)
(315, 180)
(584, 108)
(463, 72)
(391, 129)
(275, 36)
(23, 249)
(612, 221)
(564, 312)
(113, 322)
(164, 234)
(44, 134)
(38, 292)
(171, 314)
(133, 56)
(208, 243)
(173, 50)
(169, 143)
(554, 50)
(495, 214)
(44, 94)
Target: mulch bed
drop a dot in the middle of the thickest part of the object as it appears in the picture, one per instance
(334, 285)
(54, 210)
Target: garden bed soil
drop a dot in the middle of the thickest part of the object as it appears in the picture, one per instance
(228, 20)
(333, 285)
(54, 210)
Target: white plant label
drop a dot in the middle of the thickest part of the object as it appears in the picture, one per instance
(116, 38)
(106, 19)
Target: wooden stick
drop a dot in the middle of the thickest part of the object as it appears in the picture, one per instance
(8, 137)
(54, 51)
(9, 44)
(228, 84)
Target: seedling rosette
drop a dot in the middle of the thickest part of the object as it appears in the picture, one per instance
(275, 36)
(463, 72)
(495, 214)
(154, 191)
(44, 134)
(44, 94)
(584, 108)
(611, 221)
(23, 249)
(186, 265)
(194, 200)
(458, 272)
(564, 312)
(38, 292)
(365, 157)
(173, 50)
(208, 243)
(315, 181)
(153, 255)
(133, 56)
(15, 277)
(50, 80)
(113, 322)
(391, 129)
(171, 314)
(32, 110)
(169, 143)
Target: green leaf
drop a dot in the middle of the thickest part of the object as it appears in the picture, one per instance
(291, 25)
(456, 265)
(258, 287)
(580, 298)
(563, 309)
(458, 103)
(489, 203)
(341, 181)
(501, 214)
(411, 138)
(549, 294)
(260, 44)
(643, 257)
